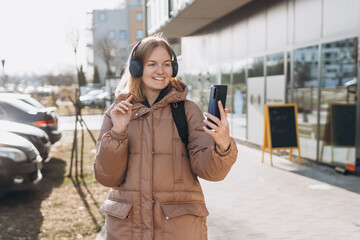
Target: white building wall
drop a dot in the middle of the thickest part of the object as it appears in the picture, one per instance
(334, 21)
(307, 20)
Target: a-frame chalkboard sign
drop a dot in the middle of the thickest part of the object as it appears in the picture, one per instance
(281, 129)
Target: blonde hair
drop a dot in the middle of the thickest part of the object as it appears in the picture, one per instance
(129, 85)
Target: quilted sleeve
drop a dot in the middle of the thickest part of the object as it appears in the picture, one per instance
(206, 159)
(111, 154)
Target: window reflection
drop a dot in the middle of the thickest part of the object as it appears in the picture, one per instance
(306, 97)
(275, 64)
(338, 63)
(339, 72)
(139, 34)
(192, 80)
(111, 34)
(209, 78)
(102, 17)
(139, 16)
(256, 67)
(122, 34)
(275, 79)
(199, 83)
(288, 95)
(238, 118)
(226, 79)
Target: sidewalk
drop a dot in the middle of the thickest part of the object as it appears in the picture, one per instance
(287, 201)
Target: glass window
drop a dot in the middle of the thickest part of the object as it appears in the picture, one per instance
(122, 34)
(339, 74)
(123, 53)
(193, 79)
(226, 79)
(288, 95)
(225, 74)
(111, 34)
(256, 67)
(171, 7)
(306, 98)
(207, 78)
(102, 17)
(239, 92)
(139, 34)
(139, 16)
(338, 63)
(275, 64)
(275, 86)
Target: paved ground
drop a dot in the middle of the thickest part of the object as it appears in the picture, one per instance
(287, 201)
(92, 121)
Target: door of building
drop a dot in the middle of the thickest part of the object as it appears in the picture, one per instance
(255, 102)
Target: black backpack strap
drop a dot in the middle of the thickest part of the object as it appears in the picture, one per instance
(178, 112)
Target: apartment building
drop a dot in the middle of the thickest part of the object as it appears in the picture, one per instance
(114, 31)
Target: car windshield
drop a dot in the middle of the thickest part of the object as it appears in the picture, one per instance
(33, 102)
(20, 105)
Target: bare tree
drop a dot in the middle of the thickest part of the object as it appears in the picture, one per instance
(108, 51)
(73, 37)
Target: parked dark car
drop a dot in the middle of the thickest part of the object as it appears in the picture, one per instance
(20, 163)
(16, 110)
(35, 135)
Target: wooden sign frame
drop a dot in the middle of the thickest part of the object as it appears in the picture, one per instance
(267, 143)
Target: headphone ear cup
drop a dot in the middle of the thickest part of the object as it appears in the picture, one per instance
(136, 68)
(175, 68)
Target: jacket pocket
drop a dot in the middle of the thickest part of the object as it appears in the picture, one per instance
(116, 209)
(184, 221)
(118, 221)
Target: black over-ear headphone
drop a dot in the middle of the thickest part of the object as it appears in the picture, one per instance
(136, 67)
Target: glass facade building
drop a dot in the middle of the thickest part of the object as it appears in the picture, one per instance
(284, 51)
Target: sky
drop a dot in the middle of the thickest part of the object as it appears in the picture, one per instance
(33, 34)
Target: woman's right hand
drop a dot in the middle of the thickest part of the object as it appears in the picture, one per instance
(121, 115)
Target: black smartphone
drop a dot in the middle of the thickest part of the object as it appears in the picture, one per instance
(217, 92)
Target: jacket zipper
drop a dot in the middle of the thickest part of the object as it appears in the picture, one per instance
(151, 175)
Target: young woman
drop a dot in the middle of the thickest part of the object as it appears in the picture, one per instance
(155, 192)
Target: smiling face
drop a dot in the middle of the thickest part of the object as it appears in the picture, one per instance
(157, 73)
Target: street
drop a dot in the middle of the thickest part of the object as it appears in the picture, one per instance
(93, 122)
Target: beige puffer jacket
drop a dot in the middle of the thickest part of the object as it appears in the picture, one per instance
(155, 189)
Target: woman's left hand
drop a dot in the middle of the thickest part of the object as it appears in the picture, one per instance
(220, 130)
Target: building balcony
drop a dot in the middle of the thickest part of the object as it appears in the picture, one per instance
(179, 18)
